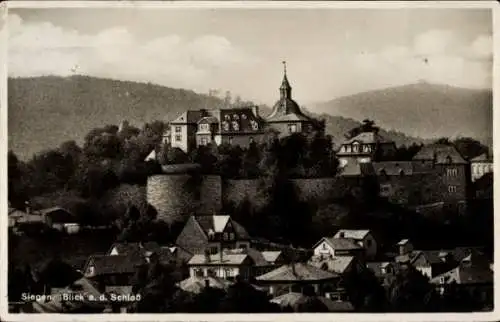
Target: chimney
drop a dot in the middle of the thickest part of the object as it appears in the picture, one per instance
(255, 110)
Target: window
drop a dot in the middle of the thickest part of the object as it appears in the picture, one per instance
(451, 172)
(225, 126)
(344, 148)
(231, 236)
(236, 126)
(91, 270)
(230, 140)
(324, 246)
(178, 129)
(203, 127)
(203, 141)
(255, 125)
(355, 147)
(452, 189)
(226, 236)
(486, 169)
(236, 117)
(178, 138)
(366, 148)
(228, 272)
(243, 117)
(214, 250)
(448, 159)
(348, 148)
(292, 128)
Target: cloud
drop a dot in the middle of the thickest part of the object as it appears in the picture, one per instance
(45, 49)
(436, 56)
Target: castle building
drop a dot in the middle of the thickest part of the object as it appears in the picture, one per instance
(366, 146)
(480, 166)
(240, 126)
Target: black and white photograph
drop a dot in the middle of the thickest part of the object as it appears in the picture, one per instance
(219, 159)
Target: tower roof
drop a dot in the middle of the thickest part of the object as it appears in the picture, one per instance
(286, 106)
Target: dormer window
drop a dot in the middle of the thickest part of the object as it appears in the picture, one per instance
(227, 117)
(448, 159)
(236, 126)
(348, 148)
(355, 147)
(91, 270)
(225, 126)
(366, 148)
(243, 117)
(236, 117)
(203, 127)
(255, 125)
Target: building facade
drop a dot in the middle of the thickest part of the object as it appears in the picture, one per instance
(480, 166)
(240, 126)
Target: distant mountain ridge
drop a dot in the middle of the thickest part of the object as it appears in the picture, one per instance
(46, 111)
(421, 110)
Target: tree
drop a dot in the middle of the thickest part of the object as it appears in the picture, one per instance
(470, 148)
(170, 155)
(410, 291)
(250, 162)
(244, 298)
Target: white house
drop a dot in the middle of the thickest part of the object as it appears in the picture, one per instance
(362, 237)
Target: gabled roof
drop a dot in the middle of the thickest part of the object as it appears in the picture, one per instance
(297, 272)
(271, 256)
(464, 274)
(215, 259)
(188, 117)
(356, 234)
(217, 224)
(340, 243)
(403, 242)
(440, 153)
(337, 265)
(368, 138)
(377, 267)
(151, 156)
(114, 264)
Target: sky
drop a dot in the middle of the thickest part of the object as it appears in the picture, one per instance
(329, 52)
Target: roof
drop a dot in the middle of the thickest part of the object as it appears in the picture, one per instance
(440, 152)
(271, 256)
(81, 286)
(357, 234)
(337, 265)
(297, 272)
(340, 243)
(215, 259)
(464, 274)
(403, 242)
(151, 156)
(393, 168)
(377, 267)
(196, 284)
(357, 169)
(435, 256)
(293, 299)
(289, 118)
(114, 264)
(180, 168)
(58, 214)
(141, 249)
(482, 158)
(371, 137)
(217, 223)
(189, 117)
(208, 119)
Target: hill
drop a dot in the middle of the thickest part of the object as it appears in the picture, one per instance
(421, 110)
(46, 111)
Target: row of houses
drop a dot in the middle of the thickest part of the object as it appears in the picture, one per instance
(57, 218)
(215, 251)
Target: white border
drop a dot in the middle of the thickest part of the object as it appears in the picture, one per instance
(4, 315)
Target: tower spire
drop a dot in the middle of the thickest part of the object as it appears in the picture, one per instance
(285, 89)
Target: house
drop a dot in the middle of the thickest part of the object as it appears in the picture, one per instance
(196, 284)
(367, 145)
(363, 237)
(230, 263)
(60, 219)
(452, 167)
(240, 126)
(293, 301)
(113, 273)
(480, 166)
(337, 247)
(141, 251)
(212, 232)
(382, 270)
(477, 281)
(339, 265)
(297, 277)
